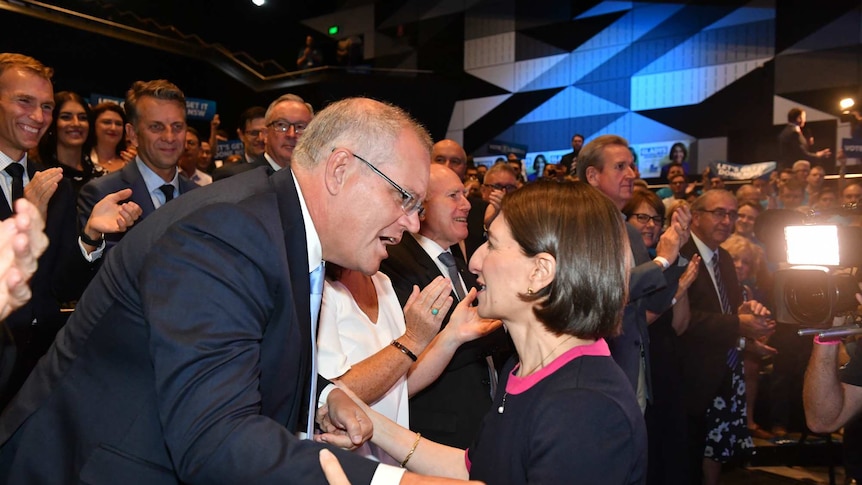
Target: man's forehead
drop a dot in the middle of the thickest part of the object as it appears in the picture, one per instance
(21, 82)
(499, 177)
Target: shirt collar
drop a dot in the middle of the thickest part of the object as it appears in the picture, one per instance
(315, 250)
(432, 248)
(703, 249)
(271, 162)
(6, 160)
(151, 179)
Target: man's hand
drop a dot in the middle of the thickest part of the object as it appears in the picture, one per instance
(670, 242)
(422, 324)
(111, 216)
(332, 468)
(42, 187)
(22, 241)
(753, 322)
(343, 421)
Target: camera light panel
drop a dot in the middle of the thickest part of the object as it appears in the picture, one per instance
(812, 245)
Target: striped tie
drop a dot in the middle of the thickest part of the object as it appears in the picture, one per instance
(733, 353)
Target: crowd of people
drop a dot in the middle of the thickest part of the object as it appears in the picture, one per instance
(350, 282)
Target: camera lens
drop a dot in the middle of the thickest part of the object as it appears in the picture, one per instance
(809, 301)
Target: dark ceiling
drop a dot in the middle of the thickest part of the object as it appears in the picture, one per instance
(272, 31)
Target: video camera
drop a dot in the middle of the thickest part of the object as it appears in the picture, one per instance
(819, 280)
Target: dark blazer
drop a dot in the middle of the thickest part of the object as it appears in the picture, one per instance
(61, 276)
(186, 358)
(710, 334)
(793, 146)
(450, 410)
(645, 280)
(475, 229)
(127, 177)
(230, 169)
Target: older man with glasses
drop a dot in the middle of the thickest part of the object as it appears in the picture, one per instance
(499, 181)
(721, 320)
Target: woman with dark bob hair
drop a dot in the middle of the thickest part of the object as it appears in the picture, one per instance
(555, 271)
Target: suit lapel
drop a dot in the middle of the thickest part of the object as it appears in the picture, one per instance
(133, 179)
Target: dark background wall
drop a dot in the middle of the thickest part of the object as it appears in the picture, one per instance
(713, 74)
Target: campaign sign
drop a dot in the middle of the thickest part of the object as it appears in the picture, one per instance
(736, 171)
(228, 148)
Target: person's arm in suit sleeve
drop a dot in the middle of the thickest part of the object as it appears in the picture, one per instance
(208, 291)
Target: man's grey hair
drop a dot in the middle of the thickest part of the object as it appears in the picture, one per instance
(369, 128)
(282, 99)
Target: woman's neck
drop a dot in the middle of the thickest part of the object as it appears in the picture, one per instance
(537, 347)
(70, 156)
(105, 152)
(362, 289)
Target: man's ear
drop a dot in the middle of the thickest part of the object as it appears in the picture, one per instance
(130, 132)
(335, 167)
(592, 174)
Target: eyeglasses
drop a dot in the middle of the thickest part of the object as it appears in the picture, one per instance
(504, 188)
(720, 214)
(283, 126)
(409, 203)
(645, 218)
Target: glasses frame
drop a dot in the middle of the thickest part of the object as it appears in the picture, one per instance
(657, 220)
(504, 188)
(296, 126)
(731, 215)
(410, 204)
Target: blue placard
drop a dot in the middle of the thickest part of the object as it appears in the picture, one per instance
(102, 98)
(736, 171)
(228, 148)
(200, 109)
(852, 147)
(196, 109)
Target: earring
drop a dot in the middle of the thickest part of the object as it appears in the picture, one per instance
(529, 291)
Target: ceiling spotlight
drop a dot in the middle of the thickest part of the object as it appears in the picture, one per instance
(846, 104)
(259, 3)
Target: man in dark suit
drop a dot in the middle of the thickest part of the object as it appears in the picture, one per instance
(793, 145)
(157, 126)
(62, 270)
(252, 132)
(715, 327)
(451, 154)
(450, 410)
(607, 164)
(286, 119)
(142, 387)
(570, 160)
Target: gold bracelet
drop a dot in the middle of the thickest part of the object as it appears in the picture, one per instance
(412, 450)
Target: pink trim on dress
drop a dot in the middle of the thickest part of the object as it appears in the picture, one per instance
(517, 385)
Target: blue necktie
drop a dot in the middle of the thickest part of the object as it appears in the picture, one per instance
(447, 259)
(316, 285)
(732, 354)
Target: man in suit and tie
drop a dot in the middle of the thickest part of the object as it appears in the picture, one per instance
(451, 154)
(285, 120)
(144, 388)
(157, 126)
(450, 409)
(26, 104)
(719, 318)
(607, 164)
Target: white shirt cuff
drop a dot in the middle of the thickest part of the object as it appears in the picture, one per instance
(387, 475)
(95, 254)
(324, 394)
